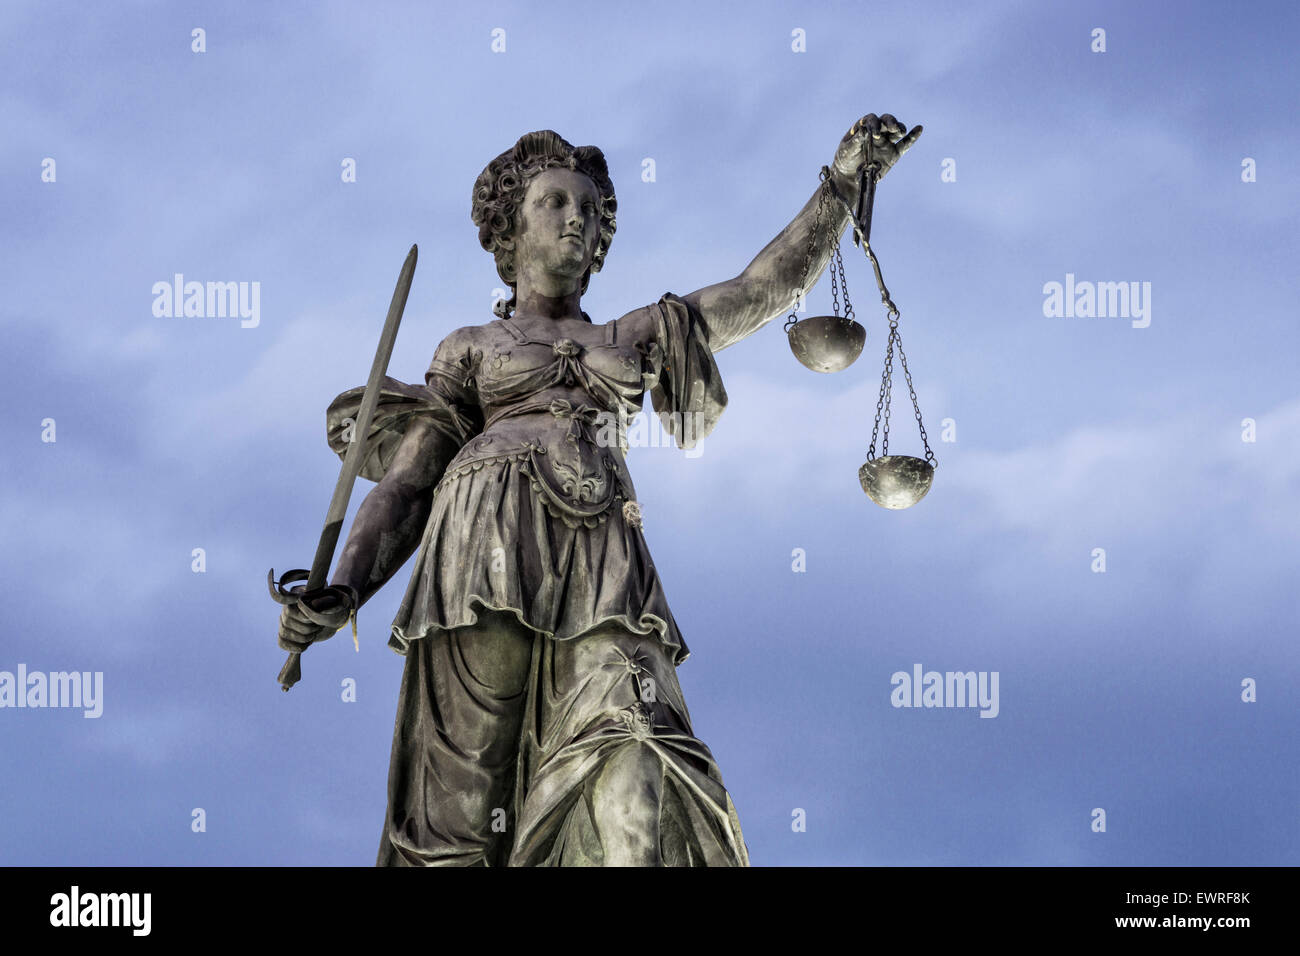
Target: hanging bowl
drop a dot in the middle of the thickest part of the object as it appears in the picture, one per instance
(896, 481)
(827, 343)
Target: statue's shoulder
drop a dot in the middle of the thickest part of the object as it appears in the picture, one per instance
(469, 338)
(639, 325)
(471, 333)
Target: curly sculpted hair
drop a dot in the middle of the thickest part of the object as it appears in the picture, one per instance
(499, 192)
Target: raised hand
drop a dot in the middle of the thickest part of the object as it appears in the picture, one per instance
(889, 140)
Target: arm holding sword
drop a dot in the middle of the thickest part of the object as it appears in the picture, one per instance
(386, 530)
(388, 525)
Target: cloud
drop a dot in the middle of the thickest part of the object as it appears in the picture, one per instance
(781, 438)
(1146, 477)
(1181, 504)
(151, 738)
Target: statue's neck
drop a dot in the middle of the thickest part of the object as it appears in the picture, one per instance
(532, 304)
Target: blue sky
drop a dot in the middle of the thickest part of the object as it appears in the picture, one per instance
(1118, 690)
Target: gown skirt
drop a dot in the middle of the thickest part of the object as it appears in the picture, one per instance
(540, 721)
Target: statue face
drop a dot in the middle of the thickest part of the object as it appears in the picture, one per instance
(559, 225)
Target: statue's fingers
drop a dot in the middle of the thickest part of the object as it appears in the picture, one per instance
(298, 626)
(290, 639)
(292, 634)
(904, 144)
(289, 643)
(891, 126)
(869, 125)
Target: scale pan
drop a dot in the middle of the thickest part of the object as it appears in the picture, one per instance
(827, 343)
(896, 481)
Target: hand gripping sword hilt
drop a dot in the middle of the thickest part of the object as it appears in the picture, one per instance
(330, 606)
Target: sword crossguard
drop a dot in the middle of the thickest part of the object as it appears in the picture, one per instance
(329, 606)
(284, 595)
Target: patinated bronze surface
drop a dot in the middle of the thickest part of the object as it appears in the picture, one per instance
(540, 721)
(896, 481)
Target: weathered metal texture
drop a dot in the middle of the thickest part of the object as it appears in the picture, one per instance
(827, 343)
(896, 481)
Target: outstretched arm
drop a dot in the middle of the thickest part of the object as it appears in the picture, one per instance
(770, 284)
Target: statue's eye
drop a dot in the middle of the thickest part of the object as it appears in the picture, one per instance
(589, 207)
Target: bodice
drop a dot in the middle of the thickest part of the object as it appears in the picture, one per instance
(517, 366)
(560, 400)
(558, 397)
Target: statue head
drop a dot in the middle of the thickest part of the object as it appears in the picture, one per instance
(500, 188)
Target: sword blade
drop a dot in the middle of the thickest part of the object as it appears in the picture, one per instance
(338, 508)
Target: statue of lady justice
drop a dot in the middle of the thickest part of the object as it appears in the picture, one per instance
(540, 721)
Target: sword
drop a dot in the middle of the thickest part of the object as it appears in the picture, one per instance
(327, 605)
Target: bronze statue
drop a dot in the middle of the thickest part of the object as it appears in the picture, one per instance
(540, 721)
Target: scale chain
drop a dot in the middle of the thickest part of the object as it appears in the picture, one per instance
(839, 265)
(862, 236)
(823, 200)
(889, 392)
(835, 292)
(916, 407)
(882, 403)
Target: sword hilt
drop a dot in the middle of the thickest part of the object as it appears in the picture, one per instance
(330, 606)
(291, 672)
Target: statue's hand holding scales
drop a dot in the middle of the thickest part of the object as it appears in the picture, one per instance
(889, 140)
(830, 343)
